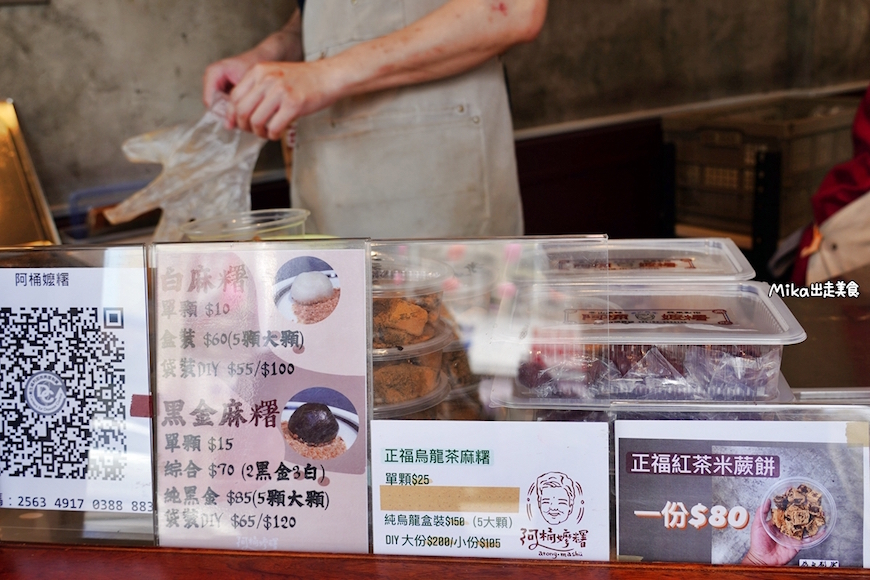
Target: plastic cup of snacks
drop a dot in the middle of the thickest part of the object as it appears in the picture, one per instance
(802, 512)
(408, 379)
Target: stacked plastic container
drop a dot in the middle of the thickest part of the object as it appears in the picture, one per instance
(657, 320)
(408, 335)
(443, 291)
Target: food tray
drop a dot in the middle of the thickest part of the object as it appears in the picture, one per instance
(718, 341)
(503, 393)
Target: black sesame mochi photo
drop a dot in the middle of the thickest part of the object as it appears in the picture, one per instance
(319, 423)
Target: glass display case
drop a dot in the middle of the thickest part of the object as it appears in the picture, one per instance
(549, 399)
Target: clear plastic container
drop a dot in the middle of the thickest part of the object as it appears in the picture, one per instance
(585, 344)
(802, 513)
(635, 260)
(467, 294)
(263, 224)
(408, 379)
(406, 299)
(455, 365)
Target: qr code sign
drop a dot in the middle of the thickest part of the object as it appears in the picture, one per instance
(62, 390)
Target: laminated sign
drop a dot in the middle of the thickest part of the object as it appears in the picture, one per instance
(74, 386)
(261, 364)
(491, 489)
(769, 493)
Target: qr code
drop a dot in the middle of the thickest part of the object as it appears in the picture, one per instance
(62, 390)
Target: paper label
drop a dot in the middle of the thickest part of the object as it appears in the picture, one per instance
(76, 429)
(728, 492)
(491, 489)
(261, 397)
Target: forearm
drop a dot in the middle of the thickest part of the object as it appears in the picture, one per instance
(284, 44)
(457, 37)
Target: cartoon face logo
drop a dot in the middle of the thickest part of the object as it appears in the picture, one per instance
(558, 497)
(45, 393)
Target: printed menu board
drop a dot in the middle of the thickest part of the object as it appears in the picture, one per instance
(74, 382)
(752, 492)
(261, 372)
(491, 489)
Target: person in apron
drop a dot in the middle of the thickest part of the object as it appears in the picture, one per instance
(403, 127)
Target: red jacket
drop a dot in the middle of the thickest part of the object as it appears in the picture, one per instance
(842, 185)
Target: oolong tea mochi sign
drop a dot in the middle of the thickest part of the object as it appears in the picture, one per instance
(493, 489)
(261, 360)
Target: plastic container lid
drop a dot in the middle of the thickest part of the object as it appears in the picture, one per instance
(394, 275)
(715, 313)
(462, 392)
(473, 269)
(249, 225)
(443, 336)
(470, 280)
(639, 260)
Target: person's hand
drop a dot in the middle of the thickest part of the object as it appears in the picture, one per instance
(223, 75)
(763, 550)
(272, 95)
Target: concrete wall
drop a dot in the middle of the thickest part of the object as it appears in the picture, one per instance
(87, 74)
(604, 57)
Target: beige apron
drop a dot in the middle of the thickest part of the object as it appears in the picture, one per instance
(429, 160)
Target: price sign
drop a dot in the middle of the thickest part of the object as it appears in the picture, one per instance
(756, 492)
(261, 429)
(500, 490)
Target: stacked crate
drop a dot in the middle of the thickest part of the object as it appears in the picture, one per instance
(720, 164)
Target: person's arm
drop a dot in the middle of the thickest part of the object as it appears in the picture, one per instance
(283, 45)
(458, 36)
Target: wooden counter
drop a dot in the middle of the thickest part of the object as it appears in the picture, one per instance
(97, 563)
(835, 356)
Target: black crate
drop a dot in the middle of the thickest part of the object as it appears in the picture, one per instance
(716, 159)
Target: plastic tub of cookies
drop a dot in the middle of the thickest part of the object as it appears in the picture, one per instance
(406, 299)
(634, 260)
(408, 379)
(586, 344)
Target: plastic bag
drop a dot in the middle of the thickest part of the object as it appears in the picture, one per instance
(207, 172)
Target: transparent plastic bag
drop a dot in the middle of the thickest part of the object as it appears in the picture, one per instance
(732, 374)
(207, 172)
(653, 377)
